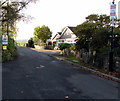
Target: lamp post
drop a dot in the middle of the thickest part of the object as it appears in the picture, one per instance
(111, 53)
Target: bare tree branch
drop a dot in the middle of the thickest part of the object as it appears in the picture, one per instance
(3, 3)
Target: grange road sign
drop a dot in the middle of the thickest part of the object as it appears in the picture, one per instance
(113, 11)
(4, 39)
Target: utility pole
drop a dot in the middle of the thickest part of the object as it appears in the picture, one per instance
(111, 53)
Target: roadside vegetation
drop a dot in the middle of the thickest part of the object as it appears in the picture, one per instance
(11, 14)
(64, 46)
(93, 45)
(30, 43)
(95, 33)
(11, 51)
(82, 63)
(41, 34)
(95, 40)
(22, 44)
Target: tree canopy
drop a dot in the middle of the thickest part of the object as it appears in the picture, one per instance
(42, 33)
(94, 32)
(10, 13)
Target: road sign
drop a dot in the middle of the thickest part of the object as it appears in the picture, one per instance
(113, 11)
(4, 47)
(4, 39)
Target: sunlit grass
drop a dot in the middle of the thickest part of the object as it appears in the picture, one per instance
(23, 44)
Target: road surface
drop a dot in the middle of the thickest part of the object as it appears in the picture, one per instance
(35, 75)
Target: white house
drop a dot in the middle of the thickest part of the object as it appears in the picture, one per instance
(56, 37)
(67, 36)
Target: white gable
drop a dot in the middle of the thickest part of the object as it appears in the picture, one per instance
(67, 33)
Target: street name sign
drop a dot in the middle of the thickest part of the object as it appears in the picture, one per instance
(4, 39)
(113, 11)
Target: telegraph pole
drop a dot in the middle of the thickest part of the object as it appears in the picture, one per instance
(111, 53)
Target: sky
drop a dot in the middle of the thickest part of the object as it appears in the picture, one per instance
(56, 14)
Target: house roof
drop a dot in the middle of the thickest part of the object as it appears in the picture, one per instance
(118, 26)
(58, 33)
(71, 28)
(67, 27)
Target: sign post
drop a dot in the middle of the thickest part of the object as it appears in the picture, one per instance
(4, 41)
(112, 18)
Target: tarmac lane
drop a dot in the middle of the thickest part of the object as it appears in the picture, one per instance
(35, 75)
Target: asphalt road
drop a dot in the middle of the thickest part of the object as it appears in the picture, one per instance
(35, 75)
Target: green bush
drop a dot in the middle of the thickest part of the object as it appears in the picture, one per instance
(11, 51)
(64, 46)
(73, 47)
(6, 55)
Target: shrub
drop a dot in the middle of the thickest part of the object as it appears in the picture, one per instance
(64, 46)
(11, 51)
(73, 47)
(30, 43)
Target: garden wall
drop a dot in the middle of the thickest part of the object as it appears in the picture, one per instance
(99, 60)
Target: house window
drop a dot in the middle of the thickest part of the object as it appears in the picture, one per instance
(61, 40)
(70, 41)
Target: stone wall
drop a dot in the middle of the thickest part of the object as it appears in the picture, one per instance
(99, 60)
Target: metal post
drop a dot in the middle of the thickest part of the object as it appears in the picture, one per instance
(111, 53)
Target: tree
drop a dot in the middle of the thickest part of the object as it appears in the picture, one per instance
(100, 39)
(85, 32)
(100, 20)
(42, 33)
(85, 29)
(92, 18)
(9, 14)
(93, 31)
(30, 43)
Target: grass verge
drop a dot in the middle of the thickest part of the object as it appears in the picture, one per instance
(102, 70)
